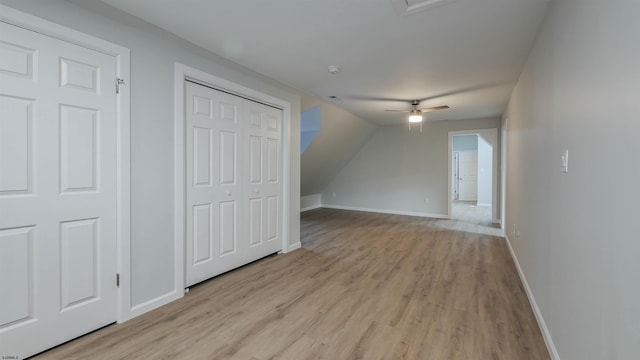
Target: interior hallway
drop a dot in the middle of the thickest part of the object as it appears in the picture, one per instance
(364, 286)
(469, 212)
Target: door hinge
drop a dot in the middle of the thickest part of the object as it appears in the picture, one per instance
(119, 82)
(117, 280)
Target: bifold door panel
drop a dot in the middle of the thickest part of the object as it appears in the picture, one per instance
(233, 181)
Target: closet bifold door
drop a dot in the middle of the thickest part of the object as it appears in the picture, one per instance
(264, 180)
(233, 181)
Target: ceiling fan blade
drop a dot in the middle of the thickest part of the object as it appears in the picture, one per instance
(434, 108)
(405, 111)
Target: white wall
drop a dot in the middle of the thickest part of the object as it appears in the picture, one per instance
(310, 202)
(397, 169)
(341, 136)
(579, 246)
(153, 54)
(485, 171)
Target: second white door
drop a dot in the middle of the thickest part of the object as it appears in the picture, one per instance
(233, 181)
(468, 175)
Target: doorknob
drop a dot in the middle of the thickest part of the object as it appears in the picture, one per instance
(256, 191)
(228, 192)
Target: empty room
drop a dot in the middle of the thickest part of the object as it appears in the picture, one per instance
(329, 179)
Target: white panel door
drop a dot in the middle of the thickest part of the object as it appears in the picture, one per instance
(264, 183)
(57, 191)
(213, 187)
(455, 191)
(468, 175)
(233, 182)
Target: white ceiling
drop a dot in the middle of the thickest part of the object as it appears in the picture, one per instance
(465, 53)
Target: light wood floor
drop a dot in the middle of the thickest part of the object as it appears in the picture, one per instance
(364, 286)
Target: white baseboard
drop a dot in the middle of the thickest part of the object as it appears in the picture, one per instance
(553, 352)
(483, 205)
(312, 207)
(310, 202)
(155, 303)
(295, 246)
(386, 211)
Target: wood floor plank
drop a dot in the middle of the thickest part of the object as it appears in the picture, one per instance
(363, 286)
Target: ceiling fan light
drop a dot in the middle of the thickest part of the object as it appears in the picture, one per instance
(415, 116)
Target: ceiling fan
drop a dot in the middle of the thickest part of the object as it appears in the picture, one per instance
(415, 114)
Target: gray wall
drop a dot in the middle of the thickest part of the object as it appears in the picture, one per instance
(341, 135)
(397, 169)
(153, 54)
(578, 243)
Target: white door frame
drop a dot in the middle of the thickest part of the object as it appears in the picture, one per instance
(503, 173)
(182, 73)
(494, 176)
(123, 210)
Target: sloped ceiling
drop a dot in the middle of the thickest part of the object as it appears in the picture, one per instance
(341, 135)
(466, 53)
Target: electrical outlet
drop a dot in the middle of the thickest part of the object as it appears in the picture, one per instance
(514, 229)
(426, 200)
(333, 195)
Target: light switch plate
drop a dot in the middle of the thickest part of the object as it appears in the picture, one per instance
(565, 162)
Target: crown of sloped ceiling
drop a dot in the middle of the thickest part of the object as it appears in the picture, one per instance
(463, 53)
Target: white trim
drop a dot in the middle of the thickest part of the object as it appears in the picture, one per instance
(449, 170)
(312, 207)
(124, 189)
(310, 202)
(179, 181)
(546, 334)
(483, 205)
(494, 177)
(123, 103)
(387, 211)
(295, 246)
(504, 136)
(181, 73)
(51, 29)
(155, 303)
(286, 166)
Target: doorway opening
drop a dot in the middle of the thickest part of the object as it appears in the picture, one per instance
(473, 176)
